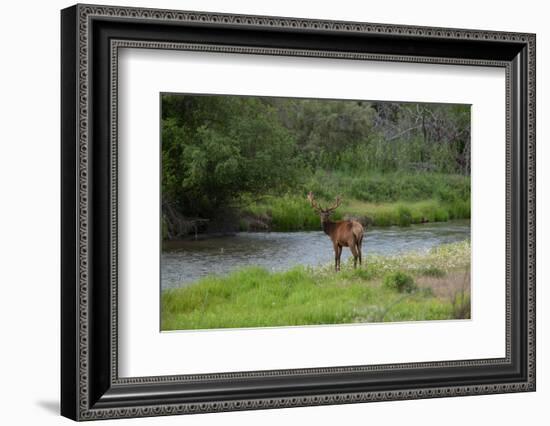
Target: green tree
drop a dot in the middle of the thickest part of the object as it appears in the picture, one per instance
(216, 148)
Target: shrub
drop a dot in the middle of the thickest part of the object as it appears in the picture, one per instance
(400, 282)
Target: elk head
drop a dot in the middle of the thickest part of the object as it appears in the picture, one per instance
(324, 213)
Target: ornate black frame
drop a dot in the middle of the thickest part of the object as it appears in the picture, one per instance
(91, 37)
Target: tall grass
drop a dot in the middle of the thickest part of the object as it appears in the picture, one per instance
(292, 213)
(379, 200)
(255, 297)
(287, 213)
(390, 187)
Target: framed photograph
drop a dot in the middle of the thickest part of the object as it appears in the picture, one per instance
(263, 212)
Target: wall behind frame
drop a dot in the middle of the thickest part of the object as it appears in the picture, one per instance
(29, 225)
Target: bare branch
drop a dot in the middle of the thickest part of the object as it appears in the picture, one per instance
(403, 132)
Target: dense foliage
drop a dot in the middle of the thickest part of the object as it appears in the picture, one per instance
(215, 148)
(222, 154)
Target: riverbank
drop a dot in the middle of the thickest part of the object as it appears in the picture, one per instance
(287, 213)
(430, 286)
(399, 199)
(374, 199)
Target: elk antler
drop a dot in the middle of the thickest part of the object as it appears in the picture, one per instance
(335, 206)
(313, 202)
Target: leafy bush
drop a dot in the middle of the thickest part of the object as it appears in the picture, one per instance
(214, 149)
(400, 282)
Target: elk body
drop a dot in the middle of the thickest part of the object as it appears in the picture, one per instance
(343, 233)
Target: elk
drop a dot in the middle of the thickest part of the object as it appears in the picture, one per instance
(343, 233)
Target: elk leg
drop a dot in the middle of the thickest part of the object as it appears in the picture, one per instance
(353, 249)
(360, 249)
(337, 253)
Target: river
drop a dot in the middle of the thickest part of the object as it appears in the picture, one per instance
(187, 261)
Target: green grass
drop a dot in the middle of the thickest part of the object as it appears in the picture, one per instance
(390, 187)
(255, 297)
(287, 213)
(292, 213)
(407, 212)
(379, 200)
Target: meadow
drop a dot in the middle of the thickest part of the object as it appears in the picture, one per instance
(415, 286)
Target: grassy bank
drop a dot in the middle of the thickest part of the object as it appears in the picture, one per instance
(379, 200)
(410, 287)
(291, 213)
(389, 187)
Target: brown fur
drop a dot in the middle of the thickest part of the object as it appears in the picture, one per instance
(343, 233)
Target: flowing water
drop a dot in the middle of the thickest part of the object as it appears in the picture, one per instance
(187, 261)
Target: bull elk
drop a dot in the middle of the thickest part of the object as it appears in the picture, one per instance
(343, 233)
